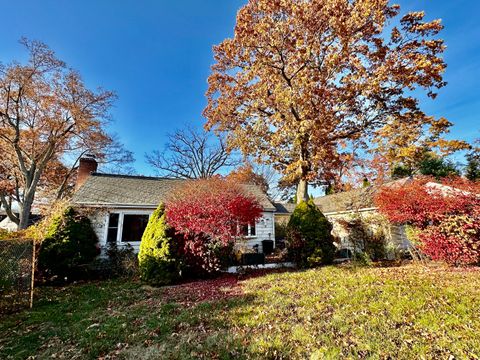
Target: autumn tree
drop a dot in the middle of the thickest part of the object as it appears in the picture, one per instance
(191, 154)
(245, 174)
(208, 215)
(47, 115)
(299, 80)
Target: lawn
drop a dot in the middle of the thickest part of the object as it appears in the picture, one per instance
(334, 312)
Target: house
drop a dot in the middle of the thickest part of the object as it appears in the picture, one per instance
(343, 207)
(119, 206)
(5, 222)
(283, 212)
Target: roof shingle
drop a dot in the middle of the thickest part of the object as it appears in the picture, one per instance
(123, 190)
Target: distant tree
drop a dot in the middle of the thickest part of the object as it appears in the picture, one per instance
(299, 80)
(191, 154)
(438, 167)
(47, 115)
(472, 170)
(430, 164)
(245, 174)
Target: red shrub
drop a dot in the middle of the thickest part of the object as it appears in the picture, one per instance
(208, 214)
(446, 213)
(421, 202)
(455, 240)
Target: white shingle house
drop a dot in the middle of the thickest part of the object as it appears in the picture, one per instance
(120, 206)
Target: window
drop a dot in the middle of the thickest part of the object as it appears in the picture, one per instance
(248, 230)
(133, 227)
(112, 228)
(126, 227)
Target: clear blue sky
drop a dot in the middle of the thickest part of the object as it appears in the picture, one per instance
(156, 55)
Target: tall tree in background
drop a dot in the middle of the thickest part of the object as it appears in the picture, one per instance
(429, 164)
(245, 174)
(46, 113)
(191, 154)
(472, 170)
(301, 79)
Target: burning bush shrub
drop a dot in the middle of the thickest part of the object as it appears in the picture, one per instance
(208, 215)
(445, 215)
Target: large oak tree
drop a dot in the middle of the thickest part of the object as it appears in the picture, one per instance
(48, 118)
(299, 80)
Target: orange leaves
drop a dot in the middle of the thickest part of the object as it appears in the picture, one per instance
(47, 114)
(305, 76)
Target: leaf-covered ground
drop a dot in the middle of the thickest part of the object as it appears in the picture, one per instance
(334, 312)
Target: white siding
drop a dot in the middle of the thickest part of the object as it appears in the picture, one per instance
(265, 228)
(99, 219)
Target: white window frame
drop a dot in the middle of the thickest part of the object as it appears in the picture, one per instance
(121, 214)
(249, 232)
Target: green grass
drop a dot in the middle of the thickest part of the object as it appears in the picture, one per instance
(402, 313)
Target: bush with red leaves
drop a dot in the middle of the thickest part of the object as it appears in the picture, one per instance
(455, 240)
(447, 215)
(209, 214)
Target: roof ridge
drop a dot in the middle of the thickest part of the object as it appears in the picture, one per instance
(98, 174)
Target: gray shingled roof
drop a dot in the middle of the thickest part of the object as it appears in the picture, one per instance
(356, 199)
(284, 208)
(122, 190)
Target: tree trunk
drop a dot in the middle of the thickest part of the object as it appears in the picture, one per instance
(25, 210)
(302, 191)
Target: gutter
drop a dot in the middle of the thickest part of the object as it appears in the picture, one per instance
(131, 206)
(110, 205)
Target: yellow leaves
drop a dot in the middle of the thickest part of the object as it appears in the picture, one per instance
(321, 68)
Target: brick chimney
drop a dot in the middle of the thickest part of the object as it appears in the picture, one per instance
(87, 165)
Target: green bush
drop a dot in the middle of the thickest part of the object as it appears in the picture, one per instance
(122, 261)
(158, 257)
(309, 238)
(70, 244)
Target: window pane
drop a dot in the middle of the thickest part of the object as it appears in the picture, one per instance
(133, 227)
(113, 221)
(112, 228)
(112, 235)
(244, 230)
(252, 230)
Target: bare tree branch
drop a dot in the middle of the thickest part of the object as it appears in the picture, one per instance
(191, 154)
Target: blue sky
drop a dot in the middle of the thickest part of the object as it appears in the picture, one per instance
(156, 54)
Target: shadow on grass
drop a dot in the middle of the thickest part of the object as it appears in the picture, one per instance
(123, 319)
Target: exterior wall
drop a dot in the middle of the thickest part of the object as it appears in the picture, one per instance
(396, 238)
(99, 219)
(265, 229)
(282, 218)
